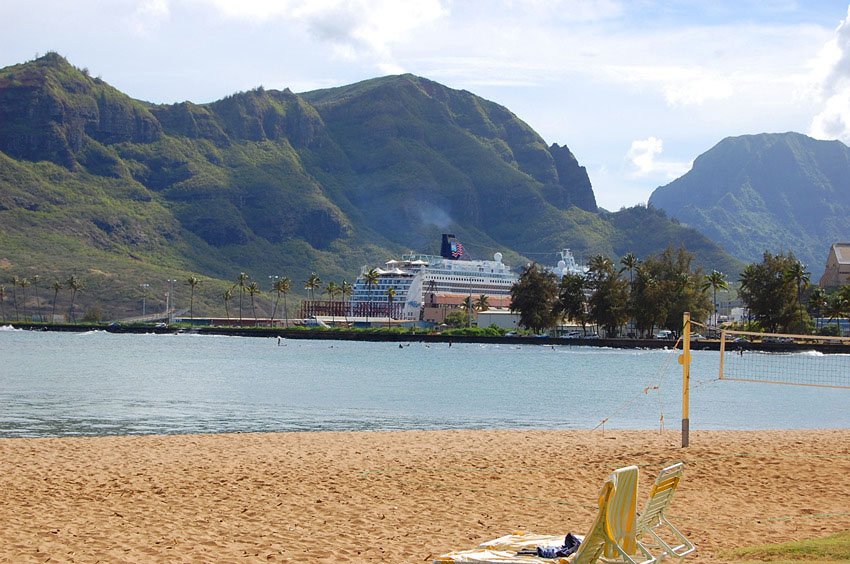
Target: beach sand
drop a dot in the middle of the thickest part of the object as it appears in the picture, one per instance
(396, 496)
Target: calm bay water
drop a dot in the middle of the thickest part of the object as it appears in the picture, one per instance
(61, 384)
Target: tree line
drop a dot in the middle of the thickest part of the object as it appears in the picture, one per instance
(655, 294)
(776, 293)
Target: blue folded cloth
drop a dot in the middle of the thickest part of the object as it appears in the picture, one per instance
(571, 544)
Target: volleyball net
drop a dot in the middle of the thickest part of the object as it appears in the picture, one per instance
(776, 358)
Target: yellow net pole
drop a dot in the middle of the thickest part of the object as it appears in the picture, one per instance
(685, 361)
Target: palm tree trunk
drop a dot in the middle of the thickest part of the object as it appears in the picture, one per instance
(285, 313)
(71, 314)
(53, 311)
(15, 302)
(274, 311)
(192, 305)
(240, 308)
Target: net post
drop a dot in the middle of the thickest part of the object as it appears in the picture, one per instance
(685, 361)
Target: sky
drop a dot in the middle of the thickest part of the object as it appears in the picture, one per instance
(637, 90)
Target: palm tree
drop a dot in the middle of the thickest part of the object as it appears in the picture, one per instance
(16, 281)
(254, 289)
(797, 274)
(25, 283)
(57, 285)
(227, 296)
(282, 286)
(192, 282)
(817, 301)
(468, 306)
(346, 290)
(3, 302)
(242, 283)
(716, 280)
(371, 277)
(35, 280)
(75, 286)
(390, 300)
(482, 303)
(313, 282)
(332, 290)
(275, 288)
(836, 307)
(630, 263)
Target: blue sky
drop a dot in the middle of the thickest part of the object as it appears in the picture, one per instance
(636, 89)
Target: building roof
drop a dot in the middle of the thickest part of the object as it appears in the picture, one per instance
(842, 252)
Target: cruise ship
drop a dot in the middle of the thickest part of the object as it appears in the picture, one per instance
(421, 280)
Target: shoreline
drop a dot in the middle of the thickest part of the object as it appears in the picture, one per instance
(400, 496)
(410, 337)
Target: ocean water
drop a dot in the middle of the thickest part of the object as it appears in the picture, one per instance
(70, 384)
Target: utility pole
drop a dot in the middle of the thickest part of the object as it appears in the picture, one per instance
(169, 301)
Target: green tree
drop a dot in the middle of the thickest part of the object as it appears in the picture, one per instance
(57, 286)
(313, 282)
(242, 284)
(482, 303)
(609, 301)
(647, 300)
(666, 286)
(457, 318)
(284, 285)
(253, 290)
(771, 293)
(800, 277)
(371, 278)
(390, 299)
(192, 282)
(817, 302)
(278, 289)
(533, 297)
(630, 262)
(227, 296)
(332, 290)
(836, 308)
(716, 281)
(572, 301)
(75, 285)
(346, 289)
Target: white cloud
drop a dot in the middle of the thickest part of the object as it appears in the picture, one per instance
(148, 15)
(353, 27)
(832, 69)
(642, 155)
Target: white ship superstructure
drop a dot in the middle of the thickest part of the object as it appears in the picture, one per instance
(416, 275)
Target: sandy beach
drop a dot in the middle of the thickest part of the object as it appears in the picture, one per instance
(396, 496)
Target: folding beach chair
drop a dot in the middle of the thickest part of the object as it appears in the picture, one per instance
(653, 520)
(612, 537)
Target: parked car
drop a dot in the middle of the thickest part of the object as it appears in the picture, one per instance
(664, 334)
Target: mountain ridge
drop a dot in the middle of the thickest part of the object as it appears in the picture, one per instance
(272, 182)
(769, 191)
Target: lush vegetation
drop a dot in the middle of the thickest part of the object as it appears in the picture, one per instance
(656, 293)
(126, 195)
(774, 192)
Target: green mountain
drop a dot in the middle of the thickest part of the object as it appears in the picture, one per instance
(775, 192)
(127, 193)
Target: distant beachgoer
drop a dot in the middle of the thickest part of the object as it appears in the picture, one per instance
(278, 341)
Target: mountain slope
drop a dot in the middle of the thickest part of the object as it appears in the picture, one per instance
(775, 192)
(276, 183)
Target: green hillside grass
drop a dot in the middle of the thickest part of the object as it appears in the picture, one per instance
(273, 183)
